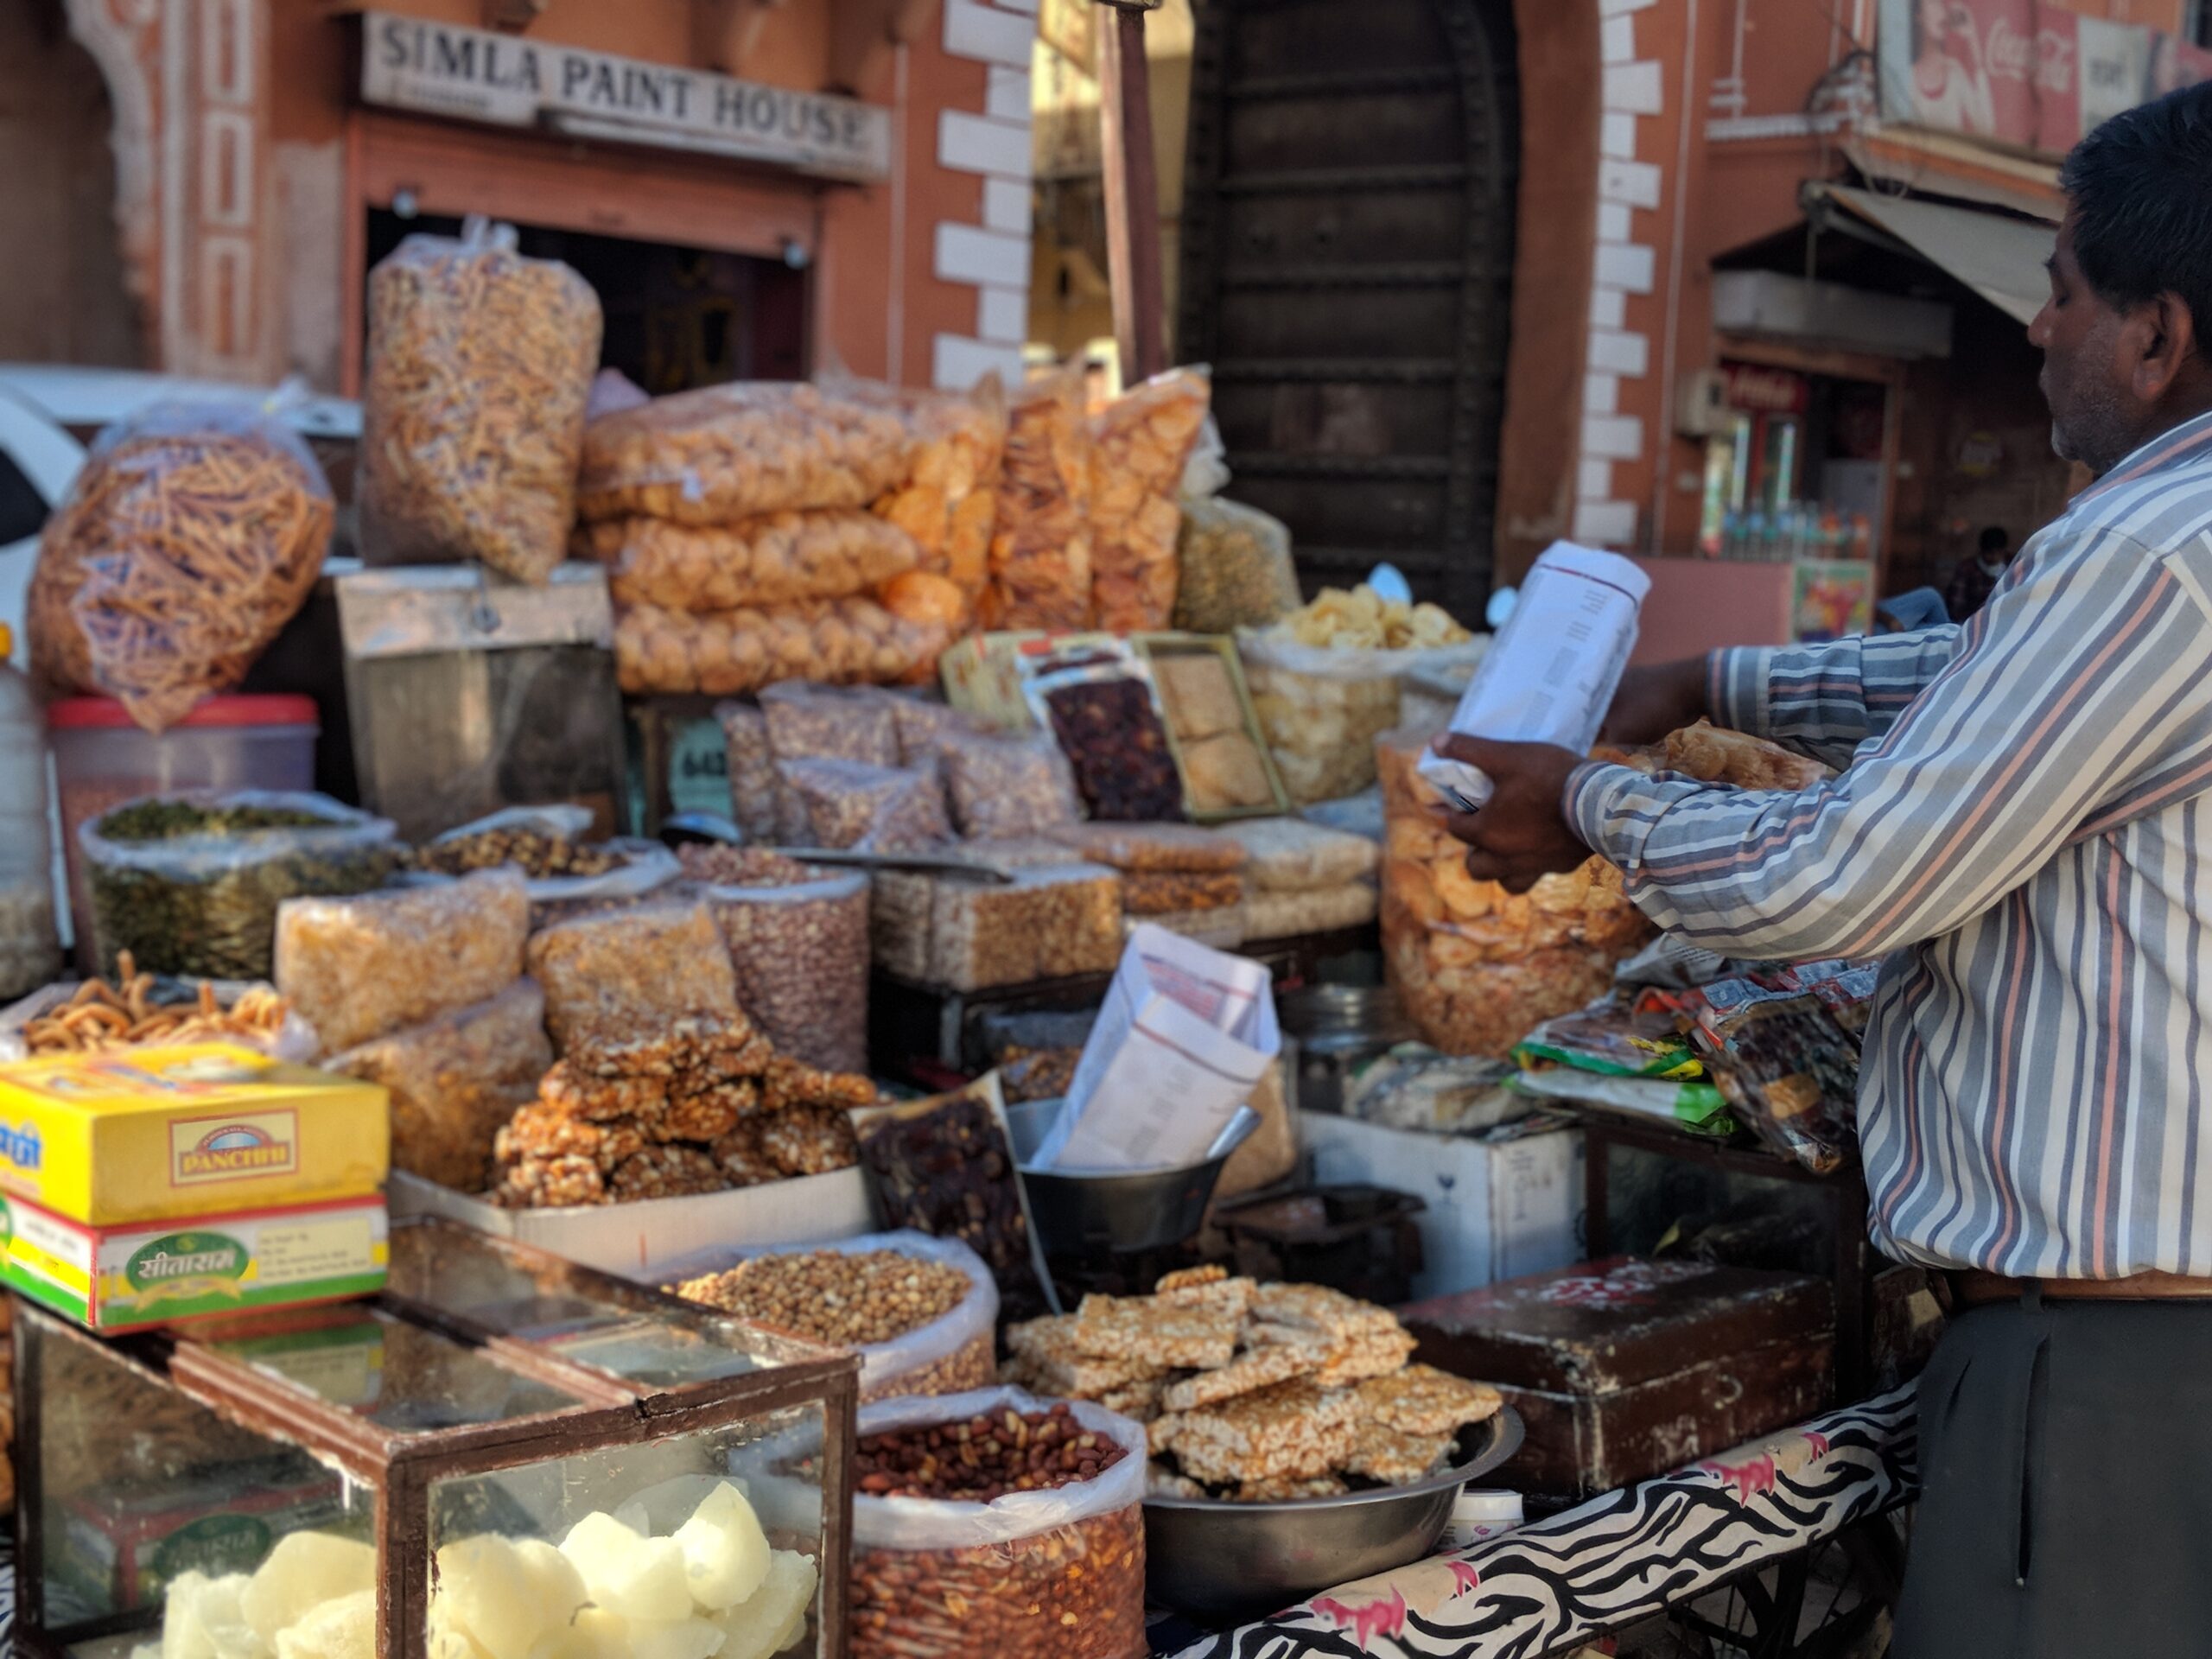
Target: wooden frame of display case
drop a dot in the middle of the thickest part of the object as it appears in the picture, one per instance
(400, 1467)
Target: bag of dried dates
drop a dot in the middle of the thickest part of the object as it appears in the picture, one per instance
(1100, 704)
(921, 1313)
(1034, 1549)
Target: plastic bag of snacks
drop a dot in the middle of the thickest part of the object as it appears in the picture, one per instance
(479, 368)
(1290, 856)
(726, 452)
(609, 979)
(154, 1011)
(191, 884)
(1054, 921)
(455, 1081)
(945, 1166)
(921, 1313)
(1325, 682)
(876, 809)
(1001, 786)
(944, 1569)
(1040, 547)
(947, 499)
(772, 560)
(1139, 444)
(808, 721)
(191, 535)
(1234, 567)
(1478, 968)
(567, 875)
(762, 803)
(840, 641)
(359, 968)
(1100, 705)
(799, 944)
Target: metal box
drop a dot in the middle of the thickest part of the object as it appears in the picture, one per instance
(491, 1391)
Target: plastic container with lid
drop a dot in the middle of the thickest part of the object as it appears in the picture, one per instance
(30, 953)
(102, 757)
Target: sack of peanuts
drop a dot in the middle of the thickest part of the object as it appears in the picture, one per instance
(480, 369)
(921, 1313)
(1034, 1549)
(192, 535)
(798, 936)
(1476, 967)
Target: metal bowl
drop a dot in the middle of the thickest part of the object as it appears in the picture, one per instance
(1076, 1214)
(1222, 1563)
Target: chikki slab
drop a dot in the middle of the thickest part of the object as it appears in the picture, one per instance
(1293, 1428)
(1255, 1368)
(1151, 1333)
(1393, 1457)
(1421, 1399)
(1317, 1308)
(1287, 1488)
(1048, 1353)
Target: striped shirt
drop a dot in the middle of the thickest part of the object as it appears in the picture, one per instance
(2021, 831)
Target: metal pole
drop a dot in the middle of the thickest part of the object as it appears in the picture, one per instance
(1132, 193)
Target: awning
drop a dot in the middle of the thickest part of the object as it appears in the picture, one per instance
(1999, 258)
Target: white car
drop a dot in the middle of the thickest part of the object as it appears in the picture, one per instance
(49, 413)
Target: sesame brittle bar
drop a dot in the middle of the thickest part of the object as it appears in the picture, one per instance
(1293, 1428)
(1151, 1333)
(1421, 1399)
(1394, 1457)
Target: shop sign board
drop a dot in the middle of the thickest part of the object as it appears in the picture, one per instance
(474, 74)
(2029, 74)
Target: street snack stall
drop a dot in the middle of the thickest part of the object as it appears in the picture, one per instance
(852, 1219)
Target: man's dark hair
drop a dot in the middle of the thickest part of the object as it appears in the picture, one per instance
(1995, 540)
(2140, 189)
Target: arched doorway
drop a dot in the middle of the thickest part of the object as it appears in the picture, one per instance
(62, 267)
(1348, 237)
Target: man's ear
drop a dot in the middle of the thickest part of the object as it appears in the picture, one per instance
(2162, 338)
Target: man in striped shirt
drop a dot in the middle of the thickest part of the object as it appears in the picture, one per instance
(2021, 828)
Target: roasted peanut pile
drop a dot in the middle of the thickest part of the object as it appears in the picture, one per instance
(985, 1457)
(848, 1299)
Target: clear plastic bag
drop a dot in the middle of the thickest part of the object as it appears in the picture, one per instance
(612, 979)
(190, 884)
(1292, 855)
(480, 371)
(455, 1081)
(1006, 787)
(876, 809)
(1235, 568)
(832, 553)
(176, 1013)
(828, 722)
(798, 936)
(722, 454)
(956, 1353)
(947, 499)
(1106, 717)
(1154, 847)
(721, 653)
(762, 804)
(1222, 927)
(1040, 547)
(1478, 968)
(1162, 892)
(641, 867)
(1140, 444)
(1053, 921)
(1322, 707)
(1050, 1574)
(190, 537)
(361, 967)
(1278, 915)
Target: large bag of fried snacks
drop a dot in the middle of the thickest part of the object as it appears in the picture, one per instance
(722, 454)
(1476, 967)
(190, 537)
(479, 367)
(1040, 547)
(1139, 444)
(1052, 1573)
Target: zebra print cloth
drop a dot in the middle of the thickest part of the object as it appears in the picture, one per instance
(1614, 1559)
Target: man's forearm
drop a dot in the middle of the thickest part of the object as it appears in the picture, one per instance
(1826, 700)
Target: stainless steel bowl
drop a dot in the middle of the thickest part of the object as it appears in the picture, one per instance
(1221, 1563)
(1076, 1214)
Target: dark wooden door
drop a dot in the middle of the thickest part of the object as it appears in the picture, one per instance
(1348, 255)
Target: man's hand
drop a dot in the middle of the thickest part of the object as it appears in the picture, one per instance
(1655, 701)
(1522, 833)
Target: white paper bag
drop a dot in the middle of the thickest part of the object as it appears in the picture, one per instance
(1553, 667)
(1185, 1036)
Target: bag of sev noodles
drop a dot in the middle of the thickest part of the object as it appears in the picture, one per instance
(192, 535)
(480, 372)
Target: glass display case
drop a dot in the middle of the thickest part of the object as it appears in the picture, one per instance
(504, 1456)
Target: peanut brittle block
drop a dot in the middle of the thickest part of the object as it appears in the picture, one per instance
(1294, 1429)
(551, 1183)
(1369, 1354)
(1317, 1308)
(538, 1130)
(1157, 1334)
(1394, 1457)
(1421, 1399)
(1139, 1402)
(1160, 1481)
(1212, 1273)
(1047, 1352)
(1280, 1489)
(786, 1084)
(706, 1047)
(1231, 1296)
(1255, 1368)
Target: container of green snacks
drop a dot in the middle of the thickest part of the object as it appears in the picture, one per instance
(189, 884)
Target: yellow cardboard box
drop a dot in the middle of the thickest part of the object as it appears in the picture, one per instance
(153, 1133)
